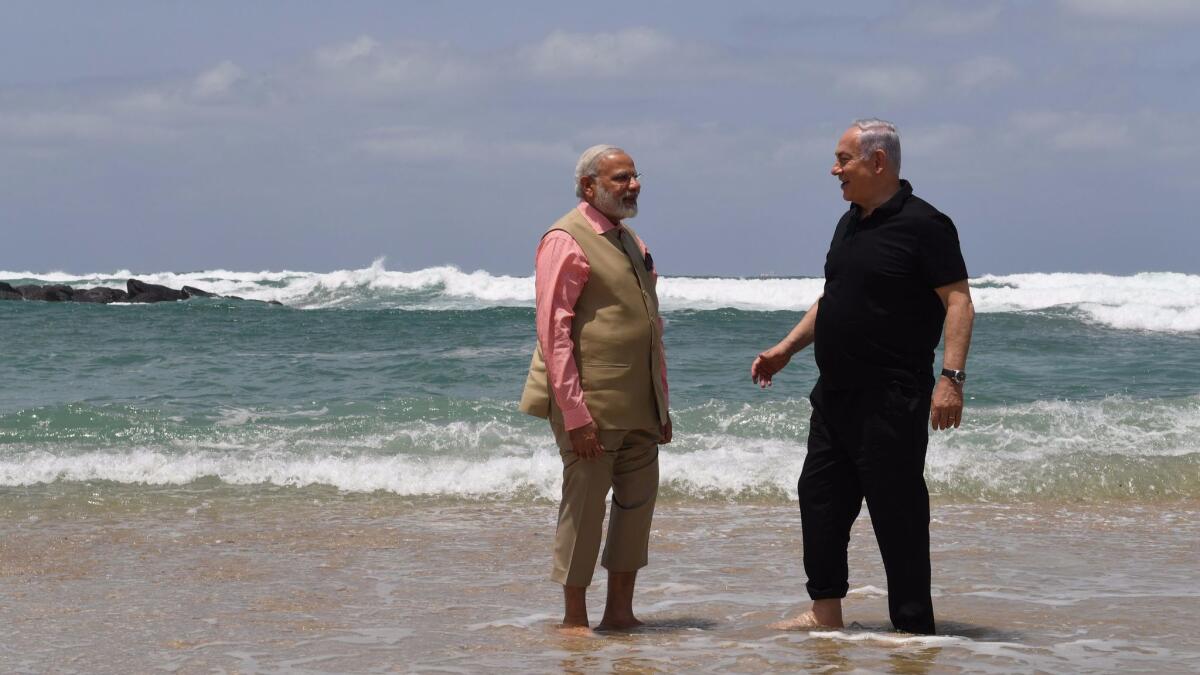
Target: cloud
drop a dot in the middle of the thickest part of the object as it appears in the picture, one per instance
(34, 126)
(414, 143)
(984, 72)
(39, 127)
(145, 114)
(885, 82)
(1093, 134)
(423, 143)
(1135, 10)
(366, 67)
(1142, 136)
(638, 135)
(144, 102)
(563, 54)
(704, 149)
(945, 140)
(951, 19)
(793, 152)
(1074, 130)
(337, 56)
(216, 82)
(215, 91)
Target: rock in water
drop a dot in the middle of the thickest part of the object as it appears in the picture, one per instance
(140, 291)
(100, 294)
(53, 293)
(7, 292)
(194, 292)
(137, 291)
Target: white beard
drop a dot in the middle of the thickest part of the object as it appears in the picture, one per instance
(608, 203)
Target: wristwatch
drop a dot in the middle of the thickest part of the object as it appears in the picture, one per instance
(956, 376)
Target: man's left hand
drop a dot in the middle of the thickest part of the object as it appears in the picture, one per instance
(665, 433)
(946, 409)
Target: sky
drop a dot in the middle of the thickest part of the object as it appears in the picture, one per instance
(1059, 135)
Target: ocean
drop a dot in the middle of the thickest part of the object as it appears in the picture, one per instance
(389, 399)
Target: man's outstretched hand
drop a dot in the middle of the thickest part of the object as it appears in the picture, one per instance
(767, 364)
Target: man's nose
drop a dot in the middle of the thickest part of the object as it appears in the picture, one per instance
(635, 185)
(836, 169)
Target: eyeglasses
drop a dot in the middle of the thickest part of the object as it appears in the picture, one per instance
(623, 178)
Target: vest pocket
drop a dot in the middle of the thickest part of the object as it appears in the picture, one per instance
(599, 374)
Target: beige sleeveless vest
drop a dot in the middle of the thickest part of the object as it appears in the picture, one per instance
(615, 332)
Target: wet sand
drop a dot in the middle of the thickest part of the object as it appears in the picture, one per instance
(117, 579)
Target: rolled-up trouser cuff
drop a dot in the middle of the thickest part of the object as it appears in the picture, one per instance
(630, 469)
(817, 593)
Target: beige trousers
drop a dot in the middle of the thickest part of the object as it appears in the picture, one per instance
(629, 467)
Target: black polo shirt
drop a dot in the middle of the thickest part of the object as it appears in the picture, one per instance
(879, 314)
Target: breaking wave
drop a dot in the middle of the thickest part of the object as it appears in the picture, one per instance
(1149, 301)
(1113, 448)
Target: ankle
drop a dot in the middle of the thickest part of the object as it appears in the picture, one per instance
(828, 612)
(575, 620)
(617, 615)
(575, 606)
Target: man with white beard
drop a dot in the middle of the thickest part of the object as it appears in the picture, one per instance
(599, 375)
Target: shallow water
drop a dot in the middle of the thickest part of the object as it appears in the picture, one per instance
(389, 389)
(344, 484)
(314, 581)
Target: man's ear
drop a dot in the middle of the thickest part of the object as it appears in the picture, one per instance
(587, 186)
(879, 161)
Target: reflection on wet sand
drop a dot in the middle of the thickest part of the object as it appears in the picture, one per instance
(325, 582)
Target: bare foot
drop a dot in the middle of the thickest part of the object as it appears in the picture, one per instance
(626, 623)
(805, 621)
(566, 630)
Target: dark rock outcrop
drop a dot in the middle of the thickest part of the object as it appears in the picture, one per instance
(140, 291)
(194, 292)
(136, 291)
(7, 292)
(100, 294)
(51, 293)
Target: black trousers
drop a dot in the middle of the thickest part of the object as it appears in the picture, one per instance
(870, 443)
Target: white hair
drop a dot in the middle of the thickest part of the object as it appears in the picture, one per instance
(876, 134)
(590, 160)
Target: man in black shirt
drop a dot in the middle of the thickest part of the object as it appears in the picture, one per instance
(894, 276)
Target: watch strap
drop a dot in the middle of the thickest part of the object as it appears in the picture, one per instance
(958, 376)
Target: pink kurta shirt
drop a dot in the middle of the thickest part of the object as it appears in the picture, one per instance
(562, 270)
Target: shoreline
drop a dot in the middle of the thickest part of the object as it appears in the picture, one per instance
(317, 581)
(96, 498)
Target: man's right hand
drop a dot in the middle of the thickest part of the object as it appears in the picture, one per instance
(585, 441)
(767, 364)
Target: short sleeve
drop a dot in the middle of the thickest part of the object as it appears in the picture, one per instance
(940, 255)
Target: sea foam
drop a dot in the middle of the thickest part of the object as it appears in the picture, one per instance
(1112, 448)
(1149, 301)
